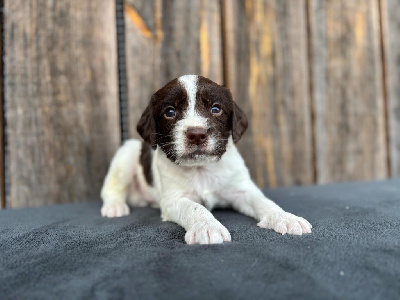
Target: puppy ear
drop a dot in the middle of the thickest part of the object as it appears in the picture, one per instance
(239, 123)
(146, 127)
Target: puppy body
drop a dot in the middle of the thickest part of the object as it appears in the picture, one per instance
(189, 173)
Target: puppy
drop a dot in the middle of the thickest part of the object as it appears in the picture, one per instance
(189, 164)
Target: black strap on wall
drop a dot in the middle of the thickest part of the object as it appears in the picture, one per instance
(122, 85)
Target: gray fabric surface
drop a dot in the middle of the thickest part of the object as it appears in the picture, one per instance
(69, 251)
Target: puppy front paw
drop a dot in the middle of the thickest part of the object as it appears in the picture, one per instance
(115, 209)
(207, 232)
(284, 222)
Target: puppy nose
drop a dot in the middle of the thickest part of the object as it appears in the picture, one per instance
(196, 135)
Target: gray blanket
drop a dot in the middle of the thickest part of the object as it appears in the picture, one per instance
(70, 252)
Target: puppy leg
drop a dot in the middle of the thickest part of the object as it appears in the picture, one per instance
(200, 225)
(249, 200)
(119, 179)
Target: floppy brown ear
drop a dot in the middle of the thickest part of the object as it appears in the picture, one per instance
(146, 127)
(239, 123)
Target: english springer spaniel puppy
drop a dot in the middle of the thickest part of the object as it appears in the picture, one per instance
(188, 164)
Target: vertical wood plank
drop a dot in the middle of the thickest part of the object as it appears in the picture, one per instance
(2, 144)
(267, 71)
(62, 100)
(192, 39)
(143, 37)
(167, 39)
(391, 44)
(347, 90)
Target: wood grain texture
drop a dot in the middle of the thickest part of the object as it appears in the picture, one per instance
(2, 145)
(167, 39)
(347, 89)
(267, 71)
(391, 45)
(62, 99)
(143, 35)
(192, 42)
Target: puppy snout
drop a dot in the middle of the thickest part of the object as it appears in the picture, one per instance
(196, 135)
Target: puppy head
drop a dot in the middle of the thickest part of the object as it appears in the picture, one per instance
(191, 119)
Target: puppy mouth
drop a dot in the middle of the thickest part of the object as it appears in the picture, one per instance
(196, 157)
(196, 153)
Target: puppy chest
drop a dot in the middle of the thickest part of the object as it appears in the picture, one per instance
(205, 198)
(202, 186)
(206, 180)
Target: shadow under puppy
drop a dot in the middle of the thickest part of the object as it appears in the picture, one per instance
(189, 164)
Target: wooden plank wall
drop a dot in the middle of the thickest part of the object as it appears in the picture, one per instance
(391, 44)
(308, 74)
(168, 39)
(2, 135)
(62, 98)
(266, 55)
(348, 90)
(318, 79)
(143, 38)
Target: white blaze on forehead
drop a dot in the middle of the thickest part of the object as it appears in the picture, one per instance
(191, 118)
(189, 83)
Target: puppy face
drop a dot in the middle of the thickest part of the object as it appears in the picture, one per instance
(191, 119)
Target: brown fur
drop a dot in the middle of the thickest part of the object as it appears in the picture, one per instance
(156, 129)
(146, 157)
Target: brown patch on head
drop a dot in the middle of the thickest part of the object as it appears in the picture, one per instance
(157, 129)
(146, 126)
(161, 133)
(239, 123)
(231, 120)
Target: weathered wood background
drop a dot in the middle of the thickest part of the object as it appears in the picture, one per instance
(62, 98)
(318, 79)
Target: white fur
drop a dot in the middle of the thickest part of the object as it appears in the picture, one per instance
(186, 194)
(186, 191)
(189, 83)
(125, 182)
(191, 119)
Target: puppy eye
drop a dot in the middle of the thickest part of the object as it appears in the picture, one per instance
(170, 113)
(216, 109)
